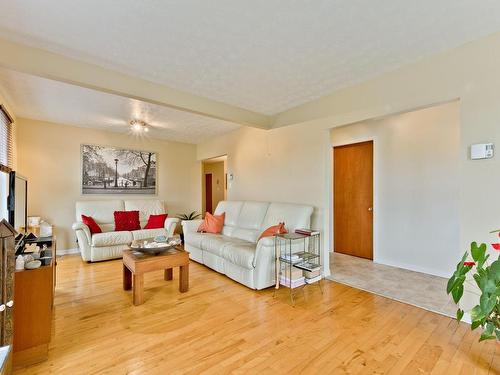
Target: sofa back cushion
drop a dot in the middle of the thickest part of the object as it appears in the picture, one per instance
(232, 212)
(100, 211)
(249, 223)
(293, 215)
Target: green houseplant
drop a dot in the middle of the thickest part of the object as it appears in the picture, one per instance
(191, 216)
(487, 278)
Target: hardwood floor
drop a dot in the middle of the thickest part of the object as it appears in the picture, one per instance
(220, 327)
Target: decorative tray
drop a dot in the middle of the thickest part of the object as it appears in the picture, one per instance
(155, 246)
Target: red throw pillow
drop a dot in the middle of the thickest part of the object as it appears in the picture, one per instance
(212, 223)
(90, 222)
(127, 220)
(156, 221)
(273, 230)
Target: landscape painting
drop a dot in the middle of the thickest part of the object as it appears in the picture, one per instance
(109, 170)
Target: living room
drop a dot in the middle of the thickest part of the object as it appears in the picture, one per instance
(108, 117)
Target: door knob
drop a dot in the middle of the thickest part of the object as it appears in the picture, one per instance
(2, 307)
(370, 209)
(10, 303)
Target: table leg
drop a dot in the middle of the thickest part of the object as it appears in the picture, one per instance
(127, 278)
(138, 289)
(184, 278)
(168, 274)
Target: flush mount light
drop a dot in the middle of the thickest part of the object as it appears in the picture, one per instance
(139, 126)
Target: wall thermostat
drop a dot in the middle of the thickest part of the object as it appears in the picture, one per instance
(482, 151)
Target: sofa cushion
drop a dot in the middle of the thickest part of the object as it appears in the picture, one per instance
(90, 222)
(143, 234)
(241, 254)
(215, 243)
(127, 220)
(212, 223)
(156, 221)
(195, 238)
(231, 209)
(112, 238)
(252, 214)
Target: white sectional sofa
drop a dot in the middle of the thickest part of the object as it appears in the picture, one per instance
(110, 244)
(236, 252)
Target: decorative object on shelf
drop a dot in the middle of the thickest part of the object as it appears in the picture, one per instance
(187, 217)
(487, 278)
(19, 262)
(306, 232)
(298, 260)
(32, 265)
(110, 170)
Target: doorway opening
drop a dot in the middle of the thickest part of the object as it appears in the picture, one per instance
(214, 183)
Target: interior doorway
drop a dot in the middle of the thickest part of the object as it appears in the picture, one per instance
(214, 183)
(353, 199)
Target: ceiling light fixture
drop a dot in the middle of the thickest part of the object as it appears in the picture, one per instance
(139, 126)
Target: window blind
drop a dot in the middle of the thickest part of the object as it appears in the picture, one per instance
(6, 140)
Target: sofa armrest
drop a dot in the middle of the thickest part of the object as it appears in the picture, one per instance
(266, 241)
(78, 226)
(170, 225)
(190, 226)
(84, 238)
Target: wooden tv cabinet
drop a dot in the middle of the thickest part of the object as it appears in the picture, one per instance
(33, 307)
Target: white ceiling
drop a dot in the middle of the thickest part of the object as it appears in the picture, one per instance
(42, 99)
(263, 55)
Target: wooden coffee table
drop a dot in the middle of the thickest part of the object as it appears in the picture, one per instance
(136, 264)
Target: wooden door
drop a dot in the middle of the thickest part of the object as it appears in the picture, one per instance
(208, 192)
(353, 199)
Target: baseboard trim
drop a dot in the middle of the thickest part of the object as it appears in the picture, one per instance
(68, 251)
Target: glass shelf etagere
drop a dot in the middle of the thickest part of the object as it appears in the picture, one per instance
(294, 253)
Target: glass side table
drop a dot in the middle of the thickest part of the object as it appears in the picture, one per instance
(298, 261)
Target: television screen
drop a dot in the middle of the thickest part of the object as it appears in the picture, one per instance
(18, 202)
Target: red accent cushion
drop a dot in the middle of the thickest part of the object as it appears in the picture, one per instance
(156, 221)
(212, 223)
(90, 222)
(273, 230)
(127, 220)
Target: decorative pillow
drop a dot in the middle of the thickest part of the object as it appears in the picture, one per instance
(212, 223)
(156, 221)
(273, 230)
(90, 222)
(127, 220)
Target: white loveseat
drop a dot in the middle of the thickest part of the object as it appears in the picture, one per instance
(110, 244)
(236, 252)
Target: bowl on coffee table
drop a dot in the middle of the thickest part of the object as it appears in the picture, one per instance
(154, 246)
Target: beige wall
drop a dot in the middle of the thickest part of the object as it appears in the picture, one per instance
(217, 171)
(292, 163)
(49, 156)
(416, 186)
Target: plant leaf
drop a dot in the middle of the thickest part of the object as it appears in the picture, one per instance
(449, 286)
(460, 314)
(457, 293)
(487, 303)
(476, 314)
(478, 252)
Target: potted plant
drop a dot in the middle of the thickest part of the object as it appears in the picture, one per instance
(487, 278)
(191, 216)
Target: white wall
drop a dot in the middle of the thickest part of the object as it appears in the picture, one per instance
(416, 186)
(49, 156)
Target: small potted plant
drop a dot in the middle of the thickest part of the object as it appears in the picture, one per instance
(191, 216)
(487, 278)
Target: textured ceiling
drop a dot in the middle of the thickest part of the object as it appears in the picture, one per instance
(47, 100)
(263, 55)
